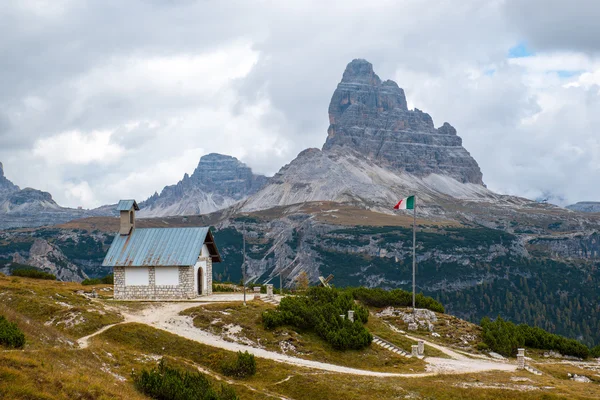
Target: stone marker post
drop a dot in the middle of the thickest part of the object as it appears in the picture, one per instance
(414, 350)
(421, 347)
(342, 316)
(270, 290)
(351, 315)
(256, 292)
(520, 358)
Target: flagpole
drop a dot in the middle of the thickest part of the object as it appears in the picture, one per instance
(244, 261)
(414, 248)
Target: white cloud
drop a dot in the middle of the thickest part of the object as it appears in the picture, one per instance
(169, 75)
(79, 148)
(80, 193)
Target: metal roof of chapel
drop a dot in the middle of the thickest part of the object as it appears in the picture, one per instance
(160, 247)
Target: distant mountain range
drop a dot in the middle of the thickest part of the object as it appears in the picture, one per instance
(586, 206)
(218, 182)
(376, 151)
(30, 207)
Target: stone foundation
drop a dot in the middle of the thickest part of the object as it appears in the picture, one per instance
(185, 290)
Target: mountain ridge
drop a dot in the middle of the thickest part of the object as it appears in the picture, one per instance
(218, 182)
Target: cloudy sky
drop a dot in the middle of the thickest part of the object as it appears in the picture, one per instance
(101, 100)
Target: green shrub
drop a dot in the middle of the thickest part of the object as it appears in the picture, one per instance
(243, 366)
(501, 336)
(319, 310)
(505, 337)
(376, 297)
(166, 383)
(221, 288)
(33, 273)
(107, 280)
(10, 334)
(595, 352)
(481, 346)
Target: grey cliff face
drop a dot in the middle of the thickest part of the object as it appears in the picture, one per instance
(218, 182)
(6, 186)
(51, 259)
(227, 176)
(371, 117)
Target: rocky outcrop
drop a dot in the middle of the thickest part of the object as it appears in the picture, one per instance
(371, 117)
(579, 246)
(218, 182)
(586, 206)
(51, 259)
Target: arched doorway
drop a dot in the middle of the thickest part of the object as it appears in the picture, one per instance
(199, 280)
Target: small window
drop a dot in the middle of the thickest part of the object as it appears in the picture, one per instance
(131, 217)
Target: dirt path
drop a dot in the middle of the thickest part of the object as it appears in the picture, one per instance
(165, 316)
(450, 353)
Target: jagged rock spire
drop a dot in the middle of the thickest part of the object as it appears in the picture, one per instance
(371, 117)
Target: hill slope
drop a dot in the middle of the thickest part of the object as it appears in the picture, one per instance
(77, 347)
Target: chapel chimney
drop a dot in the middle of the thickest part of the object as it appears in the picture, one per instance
(127, 209)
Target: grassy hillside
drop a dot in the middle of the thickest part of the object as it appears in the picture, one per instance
(51, 365)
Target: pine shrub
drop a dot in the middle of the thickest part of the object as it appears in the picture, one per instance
(107, 280)
(376, 297)
(166, 383)
(33, 273)
(505, 337)
(243, 366)
(320, 310)
(10, 334)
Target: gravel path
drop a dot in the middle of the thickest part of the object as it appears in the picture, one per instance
(165, 316)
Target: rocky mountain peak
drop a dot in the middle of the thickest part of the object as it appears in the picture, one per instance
(217, 182)
(6, 186)
(216, 167)
(360, 71)
(371, 117)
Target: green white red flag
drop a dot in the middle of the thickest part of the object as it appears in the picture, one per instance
(407, 203)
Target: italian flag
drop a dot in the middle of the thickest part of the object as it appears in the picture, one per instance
(407, 203)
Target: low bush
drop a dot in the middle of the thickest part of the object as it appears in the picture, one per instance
(505, 337)
(222, 288)
(10, 334)
(595, 352)
(376, 297)
(166, 383)
(481, 346)
(33, 273)
(107, 280)
(321, 310)
(243, 366)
